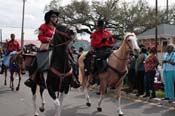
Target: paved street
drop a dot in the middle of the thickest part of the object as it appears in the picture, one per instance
(20, 104)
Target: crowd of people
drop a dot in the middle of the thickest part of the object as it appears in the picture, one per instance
(142, 72)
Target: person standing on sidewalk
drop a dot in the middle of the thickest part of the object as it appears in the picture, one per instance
(151, 63)
(140, 71)
(169, 72)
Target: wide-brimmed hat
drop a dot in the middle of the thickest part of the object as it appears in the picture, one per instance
(50, 13)
(100, 23)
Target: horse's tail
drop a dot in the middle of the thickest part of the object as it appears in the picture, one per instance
(81, 67)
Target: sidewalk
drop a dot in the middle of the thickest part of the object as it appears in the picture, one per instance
(157, 101)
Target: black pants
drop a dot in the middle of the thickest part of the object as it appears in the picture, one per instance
(140, 82)
(149, 83)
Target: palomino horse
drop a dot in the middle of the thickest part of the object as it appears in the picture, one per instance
(116, 71)
(13, 62)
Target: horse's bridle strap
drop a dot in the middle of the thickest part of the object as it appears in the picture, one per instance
(116, 71)
(127, 42)
(119, 57)
(59, 74)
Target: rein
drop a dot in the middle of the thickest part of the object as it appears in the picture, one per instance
(118, 72)
(119, 57)
(127, 45)
(61, 44)
(127, 42)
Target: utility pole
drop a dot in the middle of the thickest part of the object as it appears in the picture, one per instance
(22, 28)
(156, 22)
(167, 10)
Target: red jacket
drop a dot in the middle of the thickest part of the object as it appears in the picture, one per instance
(45, 32)
(97, 36)
(12, 46)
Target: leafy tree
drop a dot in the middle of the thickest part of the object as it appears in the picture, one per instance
(119, 16)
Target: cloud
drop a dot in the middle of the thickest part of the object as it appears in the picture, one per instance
(11, 13)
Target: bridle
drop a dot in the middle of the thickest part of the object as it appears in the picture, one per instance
(127, 45)
(127, 41)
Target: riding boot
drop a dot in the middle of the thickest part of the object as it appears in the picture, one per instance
(30, 83)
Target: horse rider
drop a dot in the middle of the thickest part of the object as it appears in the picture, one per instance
(101, 47)
(12, 45)
(46, 33)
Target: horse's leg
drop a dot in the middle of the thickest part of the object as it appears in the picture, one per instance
(103, 87)
(43, 102)
(5, 81)
(34, 100)
(88, 103)
(61, 98)
(11, 80)
(53, 95)
(19, 81)
(85, 84)
(118, 96)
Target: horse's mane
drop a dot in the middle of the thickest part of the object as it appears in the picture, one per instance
(65, 29)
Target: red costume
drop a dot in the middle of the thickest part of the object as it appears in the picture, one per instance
(45, 32)
(12, 46)
(97, 36)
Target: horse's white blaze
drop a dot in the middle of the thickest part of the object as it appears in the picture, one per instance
(134, 42)
(132, 37)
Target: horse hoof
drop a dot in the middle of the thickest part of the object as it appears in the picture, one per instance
(36, 114)
(23, 73)
(5, 83)
(120, 115)
(12, 89)
(99, 109)
(88, 104)
(17, 88)
(41, 109)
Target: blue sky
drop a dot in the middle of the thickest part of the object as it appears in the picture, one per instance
(11, 11)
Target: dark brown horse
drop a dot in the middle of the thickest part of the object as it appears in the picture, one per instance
(59, 75)
(14, 65)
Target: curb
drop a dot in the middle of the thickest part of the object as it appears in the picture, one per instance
(157, 101)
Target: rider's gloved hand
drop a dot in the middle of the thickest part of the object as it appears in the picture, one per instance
(110, 38)
(103, 40)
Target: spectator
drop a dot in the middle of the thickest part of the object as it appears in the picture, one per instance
(131, 72)
(151, 63)
(169, 72)
(140, 72)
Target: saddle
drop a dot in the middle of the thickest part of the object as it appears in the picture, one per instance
(96, 62)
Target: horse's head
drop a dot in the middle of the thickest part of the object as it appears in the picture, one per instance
(131, 40)
(18, 60)
(69, 31)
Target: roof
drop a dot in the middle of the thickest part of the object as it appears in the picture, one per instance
(163, 30)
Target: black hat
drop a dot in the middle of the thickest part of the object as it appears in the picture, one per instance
(49, 14)
(100, 23)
